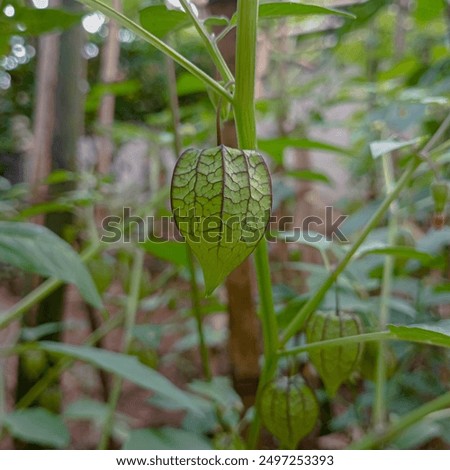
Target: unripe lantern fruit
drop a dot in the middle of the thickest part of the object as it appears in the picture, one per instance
(221, 200)
(334, 364)
(289, 409)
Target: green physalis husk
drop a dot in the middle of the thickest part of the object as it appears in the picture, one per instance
(334, 364)
(369, 360)
(221, 200)
(289, 409)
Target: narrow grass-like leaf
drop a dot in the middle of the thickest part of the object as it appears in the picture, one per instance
(437, 334)
(382, 147)
(309, 175)
(276, 147)
(127, 367)
(280, 10)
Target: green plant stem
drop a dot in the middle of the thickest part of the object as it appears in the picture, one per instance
(270, 334)
(268, 316)
(160, 45)
(174, 106)
(210, 45)
(43, 291)
(197, 310)
(244, 112)
(224, 32)
(244, 97)
(130, 319)
(299, 320)
(379, 406)
(436, 137)
(377, 439)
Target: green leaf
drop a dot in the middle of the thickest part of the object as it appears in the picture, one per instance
(216, 21)
(220, 390)
(46, 208)
(276, 147)
(221, 200)
(38, 426)
(427, 11)
(165, 438)
(38, 250)
(99, 90)
(313, 239)
(39, 21)
(278, 10)
(309, 175)
(187, 84)
(437, 334)
(382, 147)
(159, 20)
(86, 409)
(435, 241)
(417, 435)
(127, 367)
(171, 251)
(398, 252)
(36, 332)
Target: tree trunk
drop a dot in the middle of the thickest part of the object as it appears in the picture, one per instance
(108, 74)
(59, 121)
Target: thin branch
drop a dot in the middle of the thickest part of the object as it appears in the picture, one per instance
(210, 45)
(160, 45)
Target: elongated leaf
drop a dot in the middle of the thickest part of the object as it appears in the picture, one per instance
(309, 175)
(127, 367)
(398, 252)
(282, 9)
(221, 199)
(160, 21)
(435, 241)
(216, 21)
(39, 21)
(34, 333)
(187, 84)
(86, 409)
(38, 250)
(165, 438)
(99, 90)
(276, 147)
(310, 238)
(382, 147)
(171, 251)
(437, 334)
(278, 10)
(38, 426)
(220, 390)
